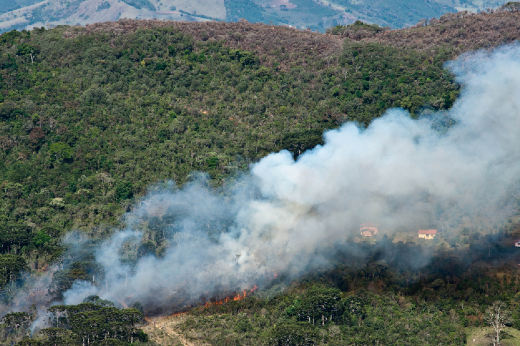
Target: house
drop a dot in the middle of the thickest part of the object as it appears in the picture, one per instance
(517, 243)
(368, 229)
(427, 233)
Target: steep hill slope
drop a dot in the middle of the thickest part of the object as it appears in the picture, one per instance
(104, 111)
(460, 31)
(92, 118)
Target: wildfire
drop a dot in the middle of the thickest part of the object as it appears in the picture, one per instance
(229, 299)
(236, 297)
(178, 314)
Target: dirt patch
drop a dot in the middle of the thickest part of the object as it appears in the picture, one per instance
(165, 331)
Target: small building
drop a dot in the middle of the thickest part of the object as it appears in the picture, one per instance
(517, 243)
(368, 229)
(427, 233)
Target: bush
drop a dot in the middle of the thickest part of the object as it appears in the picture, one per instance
(293, 334)
(124, 190)
(41, 238)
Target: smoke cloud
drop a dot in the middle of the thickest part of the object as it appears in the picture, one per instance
(285, 215)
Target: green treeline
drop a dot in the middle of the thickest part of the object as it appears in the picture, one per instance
(93, 322)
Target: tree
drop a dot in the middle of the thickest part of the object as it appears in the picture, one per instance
(293, 334)
(29, 342)
(41, 238)
(61, 151)
(11, 267)
(320, 305)
(16, 320)
(138, 306)
(497, 316)
(124, 190)
(57, 336)
(98, 301)
(36, 137)
(64, 279)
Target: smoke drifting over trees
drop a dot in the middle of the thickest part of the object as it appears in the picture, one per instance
(285, 215)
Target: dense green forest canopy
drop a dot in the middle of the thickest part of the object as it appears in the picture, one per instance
(90, 122)
(91, 117)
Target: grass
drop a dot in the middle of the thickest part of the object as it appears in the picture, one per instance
(163, 331)
(481, 337)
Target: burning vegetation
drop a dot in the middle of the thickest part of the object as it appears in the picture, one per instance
(262, 90)
(235, 297)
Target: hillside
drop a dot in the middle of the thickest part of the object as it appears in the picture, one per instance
(268, 87)
(460, 31)
(314, 14)
(93, 118)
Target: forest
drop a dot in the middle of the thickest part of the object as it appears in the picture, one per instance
(92, 117)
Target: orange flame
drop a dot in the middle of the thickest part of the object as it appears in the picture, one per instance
(235, 298)
(178, 314)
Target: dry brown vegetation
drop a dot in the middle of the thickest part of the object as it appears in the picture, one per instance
(461, 31)
(267, 40)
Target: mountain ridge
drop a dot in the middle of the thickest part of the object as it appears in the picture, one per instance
(316, 14)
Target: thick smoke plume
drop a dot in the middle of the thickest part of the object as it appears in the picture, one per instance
(286, 215)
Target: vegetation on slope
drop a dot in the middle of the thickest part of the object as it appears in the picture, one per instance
(90, 117)
(374, 299)
(93, 322)
(460, 32)
(89, 122)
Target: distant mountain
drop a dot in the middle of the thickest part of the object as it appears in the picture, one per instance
(11, 5)
(314, 14)
(73, 12)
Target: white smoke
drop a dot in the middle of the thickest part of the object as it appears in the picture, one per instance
(286, 214)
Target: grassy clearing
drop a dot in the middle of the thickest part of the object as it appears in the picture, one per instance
(481, 337)
(164, 331)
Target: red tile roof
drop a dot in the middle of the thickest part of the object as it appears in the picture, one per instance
(428, 231)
